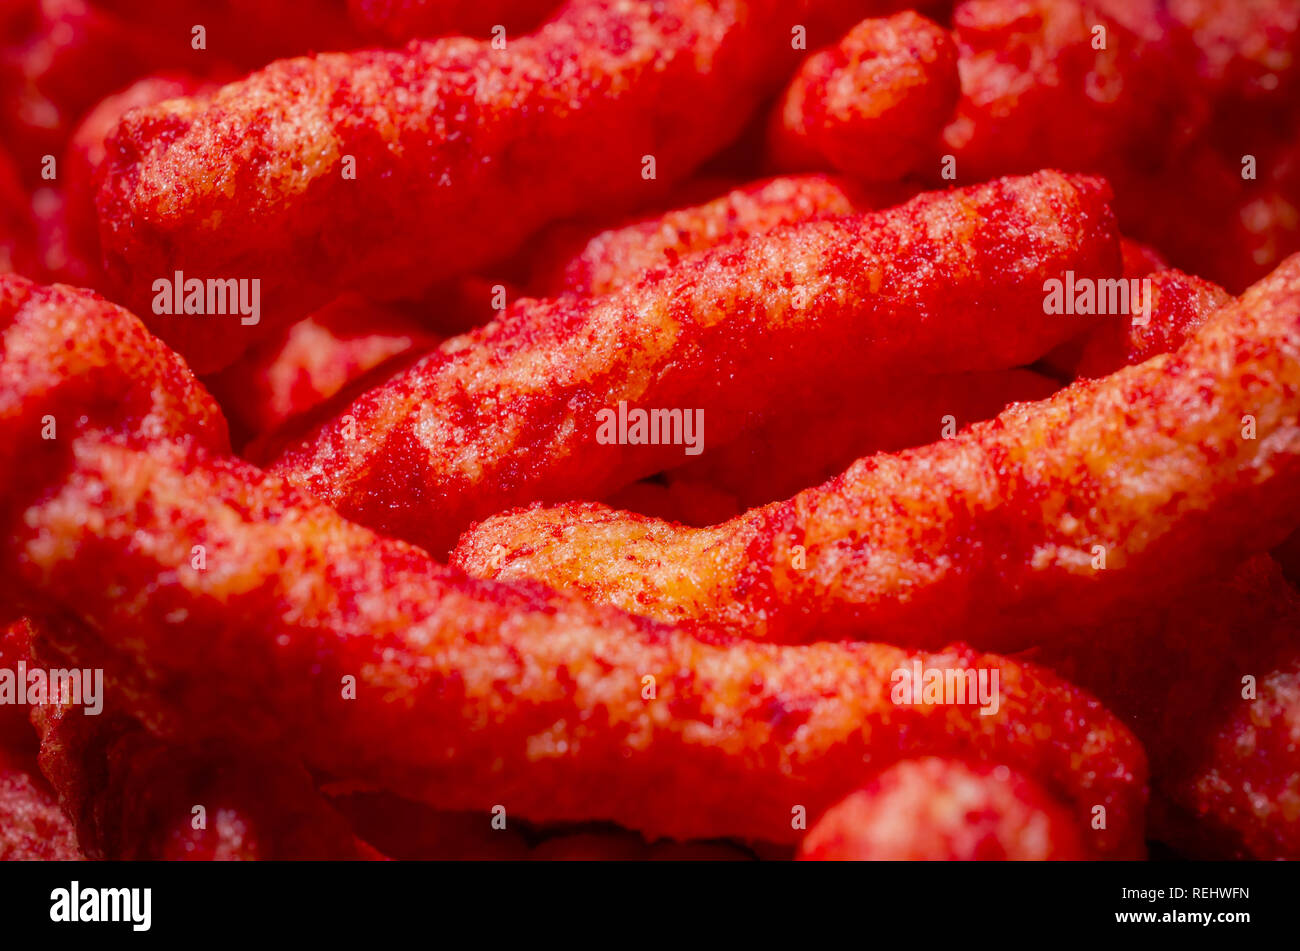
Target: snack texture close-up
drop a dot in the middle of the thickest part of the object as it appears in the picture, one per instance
(649, 430)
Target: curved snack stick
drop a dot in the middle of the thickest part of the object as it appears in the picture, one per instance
(937, 810)
(796, 450)
(619, 256)
(1104, 495)
(874, 105)
(60, 345)
(256, 183)
(471, 693)
(85, 362)
(527, 407)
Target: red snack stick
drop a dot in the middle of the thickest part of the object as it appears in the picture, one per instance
(449, 705)
(1210, 682)
(439, 133)
(528, 407)
(313, 361)
(938, 810)
(396, 21)
(874, 105)
(540, 782)
(309, 363)
(146, 391)
(1103, 496)
(616, 257)
(807, 447)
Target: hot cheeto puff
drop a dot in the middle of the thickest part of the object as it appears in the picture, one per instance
(534, 405)
(360, 171)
